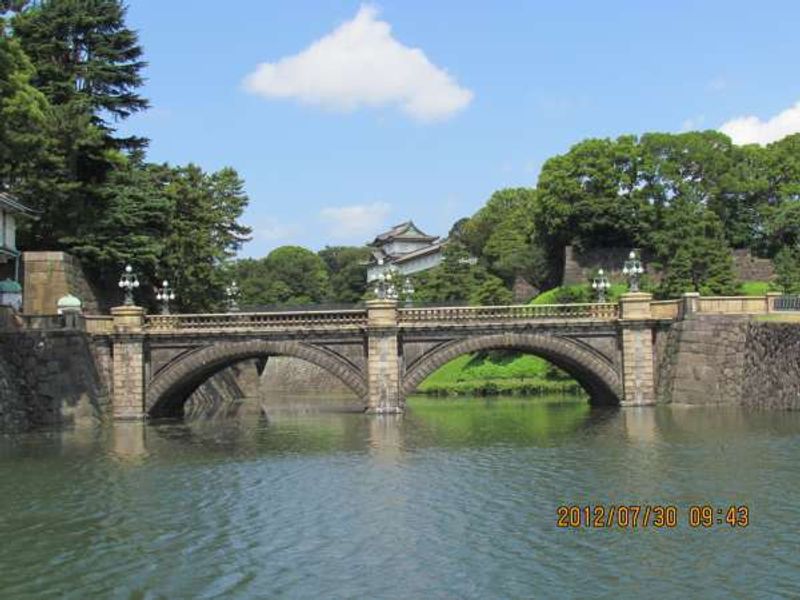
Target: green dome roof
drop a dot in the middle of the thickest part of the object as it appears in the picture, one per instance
(9, 286)
(69, 301)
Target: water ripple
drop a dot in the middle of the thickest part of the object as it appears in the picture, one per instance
(455, 500)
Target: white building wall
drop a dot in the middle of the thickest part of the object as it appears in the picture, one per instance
(400, 247)
(9, 235)
(423, 263)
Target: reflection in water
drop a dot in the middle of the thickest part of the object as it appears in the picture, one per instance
(128, 440)
(640, 423)
(456, 499)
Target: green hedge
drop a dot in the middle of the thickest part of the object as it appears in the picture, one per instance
(498, 372)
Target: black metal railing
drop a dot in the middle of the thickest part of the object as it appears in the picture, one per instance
(787, 302)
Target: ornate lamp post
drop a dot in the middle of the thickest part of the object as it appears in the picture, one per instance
(408, 292)
(127, 283)
(232, 294)
(600, 284)
(384, 286)
(633, 269)
(165, 295)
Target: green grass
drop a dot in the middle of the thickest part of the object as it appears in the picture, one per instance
(755, 288)
(500, 372)
(578, 293)
(780, 317)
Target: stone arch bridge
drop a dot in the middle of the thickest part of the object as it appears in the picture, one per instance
(382, 352)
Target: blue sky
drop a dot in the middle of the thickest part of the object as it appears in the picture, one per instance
(364, 115)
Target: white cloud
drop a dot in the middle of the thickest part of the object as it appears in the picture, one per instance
(752, 130)
(356, 220)
(361, 64)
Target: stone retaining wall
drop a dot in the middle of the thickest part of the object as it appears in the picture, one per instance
(702, 362)
(771, 377)
(580, 267)
(50, 378)
(731, 360)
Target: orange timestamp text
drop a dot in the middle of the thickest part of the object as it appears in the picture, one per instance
(656, 516)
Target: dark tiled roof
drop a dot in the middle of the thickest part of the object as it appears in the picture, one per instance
(9, 202)
(417, 253)
(400, 231)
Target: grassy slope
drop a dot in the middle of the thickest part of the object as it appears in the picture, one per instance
(755, 288)
(494, 373)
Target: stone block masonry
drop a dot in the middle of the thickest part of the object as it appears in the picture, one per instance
(50, 378)
(383, 359)
(128, 362)
(47, 276)
(771, 366)
(637, 349)
(731, 360)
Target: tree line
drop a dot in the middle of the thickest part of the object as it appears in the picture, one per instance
(685, 200)
(70, 73)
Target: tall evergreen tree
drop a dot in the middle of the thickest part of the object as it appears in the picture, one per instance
(24, 113)
(88, 65)
(694, 253)
(84, 53)
(203, 232)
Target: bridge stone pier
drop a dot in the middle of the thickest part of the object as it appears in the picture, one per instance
(383, 352)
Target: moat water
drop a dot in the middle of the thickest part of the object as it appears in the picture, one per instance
(457, 499)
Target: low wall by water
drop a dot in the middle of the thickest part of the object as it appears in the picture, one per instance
(51, 378)
(771, 366)
(730, 360)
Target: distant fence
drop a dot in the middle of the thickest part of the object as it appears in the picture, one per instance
(787, 302)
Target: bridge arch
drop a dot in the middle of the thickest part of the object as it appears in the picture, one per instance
(595, 373)
(171, 387)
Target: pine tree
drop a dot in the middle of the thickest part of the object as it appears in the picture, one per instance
(87, 64)
(24, 112)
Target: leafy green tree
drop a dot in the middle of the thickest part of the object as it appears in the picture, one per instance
(24, 114)
(347, 271)
(88, 65)
(782, 164)
(133, 228)
(297, 276)
(588, 197)
(706, 168)
(504, 238)
(490, 292)
(694, 252)
(787, 269)
(84, 53)
(253, 279)
(204, 233)
(459, 279)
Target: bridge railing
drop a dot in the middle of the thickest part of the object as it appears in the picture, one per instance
(733, 305)
(787, 302)
(666, 309)
(249, 321)
(605, 312)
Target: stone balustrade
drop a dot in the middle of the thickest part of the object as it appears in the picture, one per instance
(733, 305)
(666, 309)
(250, 321)
(605, 311)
